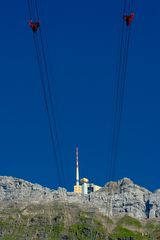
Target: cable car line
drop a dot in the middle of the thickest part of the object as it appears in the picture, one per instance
(40, 51)
(49, 117)
(51, 99)
(53, 111)
(121, 105)
(121, 82)
(116, 95)
(46, 93)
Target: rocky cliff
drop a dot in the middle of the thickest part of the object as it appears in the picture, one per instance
(119, 211)
(114, 199)
(118, 198)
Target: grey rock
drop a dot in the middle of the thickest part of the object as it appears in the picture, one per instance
(114, 199)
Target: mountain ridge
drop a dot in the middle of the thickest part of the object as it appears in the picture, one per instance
(114, 199)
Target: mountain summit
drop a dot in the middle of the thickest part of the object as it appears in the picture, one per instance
(114, 199)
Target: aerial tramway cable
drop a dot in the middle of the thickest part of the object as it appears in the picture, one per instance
(120, 87)
(47, 94)
(116, 96)
(44, 75)
(51, 96)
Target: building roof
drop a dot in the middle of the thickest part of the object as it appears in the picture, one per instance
(84, 180)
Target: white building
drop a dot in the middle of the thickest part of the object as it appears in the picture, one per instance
(84, 187)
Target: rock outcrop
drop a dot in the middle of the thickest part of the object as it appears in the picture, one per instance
(114, 199)
(123, 197)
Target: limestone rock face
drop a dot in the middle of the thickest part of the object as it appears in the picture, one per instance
(13, 190)
(17, 191)
(114, 199)
(154, 204)
(123, 197)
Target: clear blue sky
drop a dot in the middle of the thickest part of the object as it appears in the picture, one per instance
(83, 39)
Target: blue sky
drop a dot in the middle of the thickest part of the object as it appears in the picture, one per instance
(83, 41)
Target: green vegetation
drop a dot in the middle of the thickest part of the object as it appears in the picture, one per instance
(121, 232)
(154, 229)
(86, 232)
(56, 232)
(87, 227)
(129, 221)
(9, 238)
(51, 223)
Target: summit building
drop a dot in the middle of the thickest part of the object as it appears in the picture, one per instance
(83, 186)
